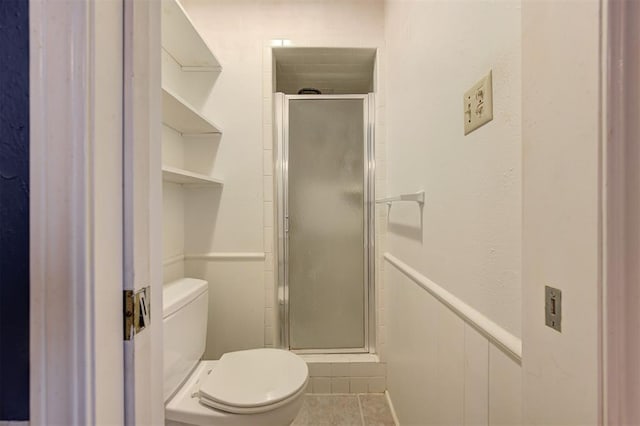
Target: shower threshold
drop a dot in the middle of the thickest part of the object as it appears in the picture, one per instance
(346, 373)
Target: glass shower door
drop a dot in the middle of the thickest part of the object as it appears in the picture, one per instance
(326, 265)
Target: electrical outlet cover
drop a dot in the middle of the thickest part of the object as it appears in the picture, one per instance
(478, 104)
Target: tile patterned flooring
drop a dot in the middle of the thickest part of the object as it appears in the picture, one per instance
(344, 410)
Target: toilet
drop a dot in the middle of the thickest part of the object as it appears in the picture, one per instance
(248, 387)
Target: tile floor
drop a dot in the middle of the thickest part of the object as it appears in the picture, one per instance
(344, 410)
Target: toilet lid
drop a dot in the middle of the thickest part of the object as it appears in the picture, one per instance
(253, 378)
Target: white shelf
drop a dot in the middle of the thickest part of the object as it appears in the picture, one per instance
(186, 177)
(183, 42)
(182, 117)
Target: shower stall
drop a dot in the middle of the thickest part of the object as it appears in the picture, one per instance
(325, 222)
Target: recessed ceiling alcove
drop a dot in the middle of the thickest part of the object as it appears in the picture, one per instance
(330, 70)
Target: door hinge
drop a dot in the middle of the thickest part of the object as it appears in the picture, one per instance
(136, 310)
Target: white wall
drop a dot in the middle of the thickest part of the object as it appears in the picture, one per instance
(239, 218)
(173, 231)
(172, 193)
(468, 237)
(561, 241)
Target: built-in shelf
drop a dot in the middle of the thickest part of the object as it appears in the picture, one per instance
(186, 177)
(183, 42)
(182, 117)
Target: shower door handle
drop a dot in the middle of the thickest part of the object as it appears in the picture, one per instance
(286, 224)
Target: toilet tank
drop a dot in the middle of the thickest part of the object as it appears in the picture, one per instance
(184, 313)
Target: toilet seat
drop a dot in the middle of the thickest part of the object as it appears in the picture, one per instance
(251, 410)
(254, 381)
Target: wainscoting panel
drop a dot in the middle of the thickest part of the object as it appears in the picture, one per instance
(447, 364)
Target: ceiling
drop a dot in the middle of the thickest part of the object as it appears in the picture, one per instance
(330, 70)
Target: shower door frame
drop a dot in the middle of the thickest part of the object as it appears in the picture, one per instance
(281, 133)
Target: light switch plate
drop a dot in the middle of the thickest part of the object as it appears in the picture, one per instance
(478, 104)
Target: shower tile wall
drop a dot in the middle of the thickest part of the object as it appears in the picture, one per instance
(381, 192)
(270, 304)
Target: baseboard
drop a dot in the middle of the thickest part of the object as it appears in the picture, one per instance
(14, 422)
(392, 408)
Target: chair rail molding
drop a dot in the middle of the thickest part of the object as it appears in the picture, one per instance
(507, 342)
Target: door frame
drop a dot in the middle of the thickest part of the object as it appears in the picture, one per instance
(64, 119)
(77, 352)
(620, 164)
(142, 207)
(281, 119)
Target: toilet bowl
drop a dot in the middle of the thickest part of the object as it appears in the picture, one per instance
(188, 408)
(249, 387)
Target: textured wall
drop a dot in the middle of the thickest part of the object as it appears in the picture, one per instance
(467, 238)
(14, 210)
(561, 204)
